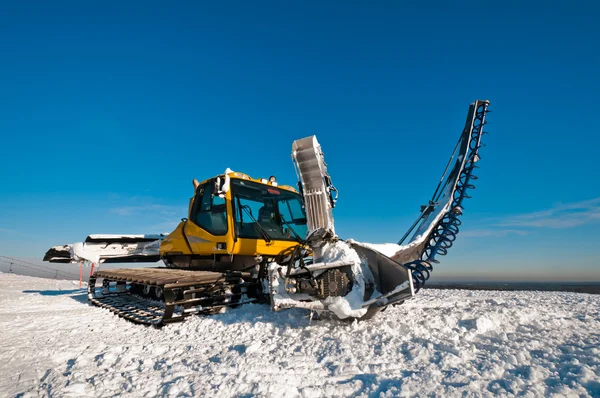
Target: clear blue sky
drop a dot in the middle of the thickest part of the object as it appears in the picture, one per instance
(108, 111)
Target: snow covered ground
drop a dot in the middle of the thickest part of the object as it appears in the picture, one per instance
(443, 343)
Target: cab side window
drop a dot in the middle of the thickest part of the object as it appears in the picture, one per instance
(211, 211)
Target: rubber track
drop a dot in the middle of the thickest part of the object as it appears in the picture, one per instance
(185, 293)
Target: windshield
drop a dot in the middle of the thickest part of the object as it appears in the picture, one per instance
(279, 213)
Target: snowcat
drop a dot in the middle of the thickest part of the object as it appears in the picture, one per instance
(249, 239)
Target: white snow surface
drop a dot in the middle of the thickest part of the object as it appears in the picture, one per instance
(448, 343)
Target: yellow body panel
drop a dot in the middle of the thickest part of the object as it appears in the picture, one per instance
(190, 239)
(174, 242)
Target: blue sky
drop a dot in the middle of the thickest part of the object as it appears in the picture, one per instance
(109, 110)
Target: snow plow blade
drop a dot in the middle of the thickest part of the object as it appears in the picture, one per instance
(392, 279)
(158, 296)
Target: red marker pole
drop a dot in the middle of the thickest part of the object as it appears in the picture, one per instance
(80, 273)
(92, 270)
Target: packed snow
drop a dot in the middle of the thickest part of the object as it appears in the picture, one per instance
(440, 343)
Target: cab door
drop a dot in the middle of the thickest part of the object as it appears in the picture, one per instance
(208, 227)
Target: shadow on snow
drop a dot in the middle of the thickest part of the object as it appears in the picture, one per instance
(79, 295)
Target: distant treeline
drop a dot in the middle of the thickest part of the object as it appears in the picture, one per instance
(591, 287)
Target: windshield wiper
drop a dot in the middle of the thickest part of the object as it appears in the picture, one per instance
(257, 225)
(292, 229)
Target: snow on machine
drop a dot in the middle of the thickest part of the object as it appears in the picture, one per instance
(251, 239)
